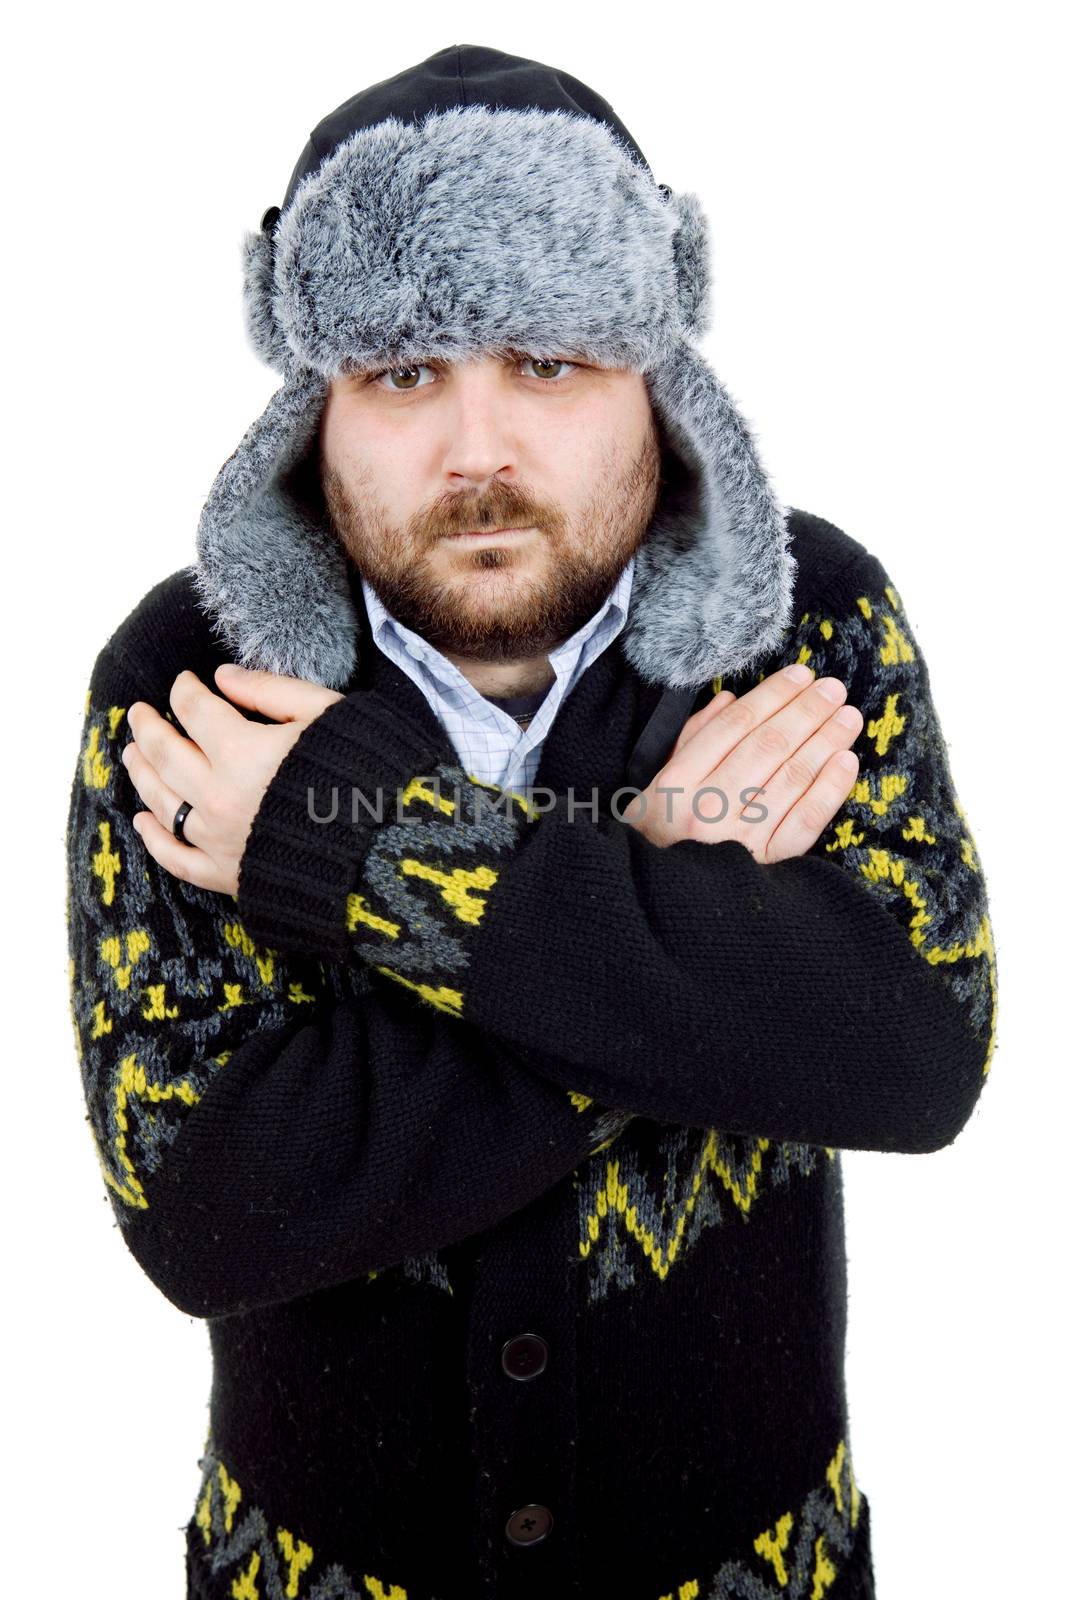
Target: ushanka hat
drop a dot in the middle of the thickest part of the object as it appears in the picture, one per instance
(474, 204)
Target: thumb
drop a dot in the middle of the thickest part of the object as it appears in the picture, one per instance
(273, 694)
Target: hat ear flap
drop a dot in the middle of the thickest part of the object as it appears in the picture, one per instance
(692, 264)
(264, 334)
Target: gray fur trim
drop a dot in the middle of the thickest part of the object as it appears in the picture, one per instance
(264, 334)
(271, 576)
(692, 264)
(714, 578)
(474, 232)
(476, 229)
(712, 581)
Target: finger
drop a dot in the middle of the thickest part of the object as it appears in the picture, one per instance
(177, 760)
(180, 860)
(210, 720)
(778, 743)
(274, 695)
(712, 744)
(161, 800)
(795, 776)
(816, 809)
(701, 718)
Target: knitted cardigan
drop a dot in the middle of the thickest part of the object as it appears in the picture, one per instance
(500, 1149)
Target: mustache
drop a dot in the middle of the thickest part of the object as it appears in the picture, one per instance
(485, 519)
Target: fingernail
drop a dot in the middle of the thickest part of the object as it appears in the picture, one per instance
(229, 666)
(850, 717)
(798, 673)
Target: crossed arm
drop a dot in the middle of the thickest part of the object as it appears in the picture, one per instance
(477, 989)
(844, 996)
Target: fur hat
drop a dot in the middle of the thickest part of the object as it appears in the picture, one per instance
(473, 204)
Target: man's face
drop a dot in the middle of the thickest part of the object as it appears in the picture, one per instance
(413, 458)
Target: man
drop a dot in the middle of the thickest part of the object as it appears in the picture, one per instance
(482, 1079)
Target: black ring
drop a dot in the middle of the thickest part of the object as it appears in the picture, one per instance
(179, 822)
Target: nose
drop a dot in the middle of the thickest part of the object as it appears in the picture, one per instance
(480, 438)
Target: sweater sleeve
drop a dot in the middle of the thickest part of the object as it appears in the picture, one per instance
(846, 997)
(265, 1125)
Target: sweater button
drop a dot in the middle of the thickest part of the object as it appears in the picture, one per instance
(524, 1356)
(528, 1525)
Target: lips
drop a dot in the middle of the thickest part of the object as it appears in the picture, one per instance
(485, 533)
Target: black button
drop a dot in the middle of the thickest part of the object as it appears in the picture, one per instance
(269, 218)
(528, 1525)
(524, 1356)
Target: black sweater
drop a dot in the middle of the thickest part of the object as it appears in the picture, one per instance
(502, 1152)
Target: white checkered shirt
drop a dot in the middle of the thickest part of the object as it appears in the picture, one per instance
(493, 746)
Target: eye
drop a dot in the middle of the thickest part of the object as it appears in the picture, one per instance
(405, 372)
(538, 362)
(411, 372)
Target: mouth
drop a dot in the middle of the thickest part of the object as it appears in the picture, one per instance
(488, 535)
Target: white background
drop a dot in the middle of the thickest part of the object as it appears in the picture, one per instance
(884, 191)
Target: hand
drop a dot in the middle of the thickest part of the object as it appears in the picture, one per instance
(223, 770)
(776, 760)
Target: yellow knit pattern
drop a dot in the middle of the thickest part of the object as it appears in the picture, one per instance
(901, 830)
(250, 1555)
(643, 1208)
(156, 1007)
(164, 981)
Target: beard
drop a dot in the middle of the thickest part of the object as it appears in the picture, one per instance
(541, 609)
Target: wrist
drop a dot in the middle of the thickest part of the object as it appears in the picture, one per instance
(317, 818)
